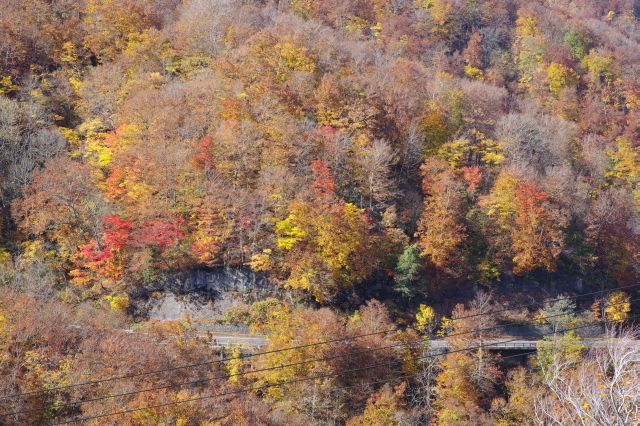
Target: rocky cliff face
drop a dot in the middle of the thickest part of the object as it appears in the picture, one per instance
(215, 281)
(201, 293)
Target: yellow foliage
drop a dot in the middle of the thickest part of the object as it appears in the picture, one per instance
(137, 191)
(118, 303)
(69, 54)
(456, 153)
(362, 140)
(322, 245)
(382, 408)
(473, 72)
(559, 77)
(425, 318)
(530, 48)
(436, 128)
(128, 134)
(5, 257)
(618, 307)
(626, 161)
(441, 11)
(6, 85)
(288, 232)
(526, 26)
(292, 58)
(283, 327)
(491, 152)
(110, 26)
(355, 24)
(376, 29)
(70, 135)
(501, 203)
(32, 250)
(457, 391)
(44, 371)
(625, 165)
(336, 251)
(261, 261)
(234, 365)
(600, 67)
(185, 65)
(97, 153)
(343, 104)
(3, 327)
(446, 325)
(302, 7)
(76, 84)
(93, 125)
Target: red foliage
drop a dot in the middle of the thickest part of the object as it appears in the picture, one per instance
(93, 253)
(473, 177)
(203, 158)
(118, 231)
(324, 182)
(328, 131)
(111, 137)
(160, 233)
(529, 197)
(114, 238)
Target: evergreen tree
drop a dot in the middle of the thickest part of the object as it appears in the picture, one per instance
(408, 271)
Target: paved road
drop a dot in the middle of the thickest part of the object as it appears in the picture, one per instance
(227, 335)
(439, 345)
(242, 340)
(502, 344)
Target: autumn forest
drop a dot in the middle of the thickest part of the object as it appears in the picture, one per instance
(432, 208)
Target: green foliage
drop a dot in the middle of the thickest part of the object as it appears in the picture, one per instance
(408, 271)
(557, 316)
(409, 146)
(567, 348)
(578, 42)
(489, 272)
(599, 66)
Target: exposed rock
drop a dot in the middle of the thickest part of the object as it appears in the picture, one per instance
(201, 294)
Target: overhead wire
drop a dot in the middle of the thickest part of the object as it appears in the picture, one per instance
(297, 347)
(255, 354)
(406, 344)
(270, 385)
(368, 383)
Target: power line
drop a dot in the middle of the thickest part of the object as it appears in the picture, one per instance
(254, 388)
(312, 360)
(546, 300)
(244, 356)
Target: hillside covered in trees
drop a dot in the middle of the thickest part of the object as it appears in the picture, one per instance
(404, 171)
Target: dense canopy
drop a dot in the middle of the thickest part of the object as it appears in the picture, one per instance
(375, 159)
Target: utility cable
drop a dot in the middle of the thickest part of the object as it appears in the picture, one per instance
(408, 344)
(255, 354)
(262, 387)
